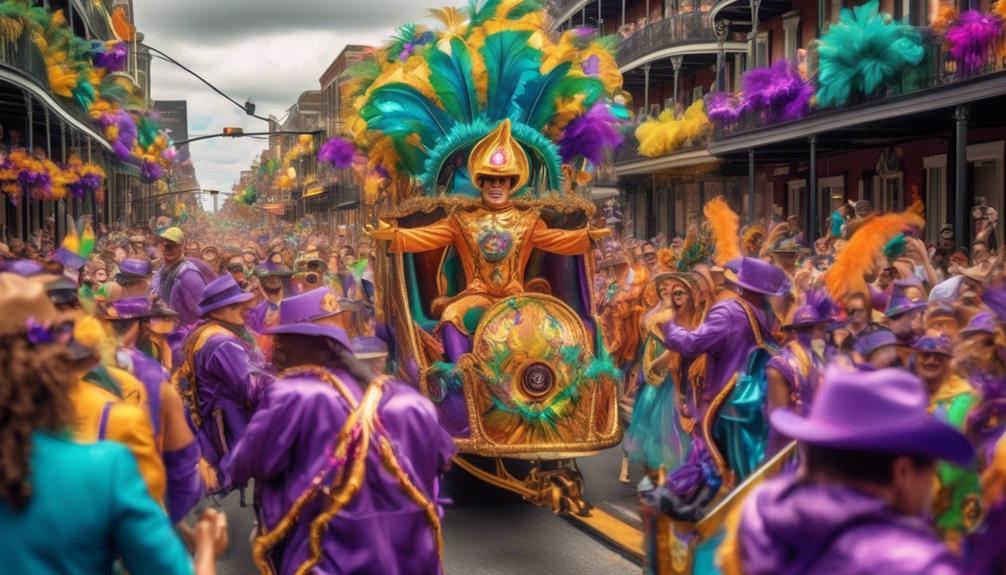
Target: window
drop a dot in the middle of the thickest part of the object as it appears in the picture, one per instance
(936, 195)
(791, 31)
(762, 48)
(795, 191)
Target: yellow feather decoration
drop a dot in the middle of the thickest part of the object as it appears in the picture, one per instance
(666, 134)
(857, 257)
(725, 225)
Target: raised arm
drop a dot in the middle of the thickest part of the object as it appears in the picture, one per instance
(410, 240)
(708, 337)
(565, 242)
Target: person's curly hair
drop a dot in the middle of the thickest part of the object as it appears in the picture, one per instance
(34, 396)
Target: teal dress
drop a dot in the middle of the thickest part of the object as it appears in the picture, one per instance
(655, 437)
(88, 507)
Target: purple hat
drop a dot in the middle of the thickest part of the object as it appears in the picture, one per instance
(222, 292)
(870, 341)
(369, 347)
(899, 304)
(759, 277)
(817, 309)
(934, 344)
(882, 411)
(980, 324)
(128, 308)
(946, 290)
(133, 269)
(68, 259)
(995, 299)
(298, 314)
(25, 268)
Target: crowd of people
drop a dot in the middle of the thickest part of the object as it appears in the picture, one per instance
(177, 362)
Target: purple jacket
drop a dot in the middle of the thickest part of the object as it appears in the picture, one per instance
(726, 337)
(258, 318)
(789, 527)
(182, 288)
(151, 373)
(381, 530)
(229, 378)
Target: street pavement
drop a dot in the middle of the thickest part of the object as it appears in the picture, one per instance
(490, 532)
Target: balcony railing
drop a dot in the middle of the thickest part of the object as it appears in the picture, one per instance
(935, 70)
(628, 151)
(673, 30)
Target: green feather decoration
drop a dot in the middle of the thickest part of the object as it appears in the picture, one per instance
(398, 110)
(509, 63)
(536, 104)
(479, 15)
(146, 132)
(451, 78)
(861, 52)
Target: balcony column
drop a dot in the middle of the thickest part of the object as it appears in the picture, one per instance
(720, 28)
(676, 62)
(646, 88)
(583, 16)
(961, 195)
(753, 36)
(600, 20)
(751, 187)
(812, 194)
(623, 14)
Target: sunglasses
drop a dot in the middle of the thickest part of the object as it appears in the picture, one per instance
(235, 268)
(679, 293)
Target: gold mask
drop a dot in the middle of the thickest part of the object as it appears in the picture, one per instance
(498, 154)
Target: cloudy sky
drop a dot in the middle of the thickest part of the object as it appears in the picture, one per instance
(267, 51)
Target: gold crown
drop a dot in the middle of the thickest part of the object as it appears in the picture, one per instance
(498, 154)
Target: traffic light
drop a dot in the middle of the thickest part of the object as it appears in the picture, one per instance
(233, 132)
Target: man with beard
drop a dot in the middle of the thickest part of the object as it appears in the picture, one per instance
(179, 282)
(904, 319)
(330, 431)
(957, 506)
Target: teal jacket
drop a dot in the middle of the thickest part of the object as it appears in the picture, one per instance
(88, 506)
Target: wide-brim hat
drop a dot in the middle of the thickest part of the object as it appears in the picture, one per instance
(940, 344)
(127, 308)
(982, 323)
(881, 411)
(684, 278)
(759, 277)
(899, 304)
(68, 259)
(298, 316)
(806, 316)
(870, 341)
(133, 269)
(978, 273)
(222, 292)
(369, 347)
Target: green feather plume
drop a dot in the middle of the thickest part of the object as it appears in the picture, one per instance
(450, 76)
(509, 63)
(479, 15)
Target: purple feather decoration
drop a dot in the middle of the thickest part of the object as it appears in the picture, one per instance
(87, 182)
(122, 144)
(113, 58)
(777, 92)
(592, 65)
(723, 107)
(338, 151)
(972, 38)
(590, 135)
(151, 171)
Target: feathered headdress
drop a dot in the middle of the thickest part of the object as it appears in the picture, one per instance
(725, 225)
(434, 93)
(692, 251)
(856, 259)
(752, 240)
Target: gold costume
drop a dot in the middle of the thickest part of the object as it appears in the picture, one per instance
(494, 247)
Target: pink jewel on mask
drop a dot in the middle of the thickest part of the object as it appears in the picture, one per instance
(498, 158)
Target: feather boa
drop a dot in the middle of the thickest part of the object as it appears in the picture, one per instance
(666, 134)
(724, 107)
(857, 258)
(777, 92)
(725, 225)
(972, 38)
(590, 135)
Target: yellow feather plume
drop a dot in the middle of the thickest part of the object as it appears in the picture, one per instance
(665, 134)
(943, 15)
(725, 225)
(752, 240)
(857, 257)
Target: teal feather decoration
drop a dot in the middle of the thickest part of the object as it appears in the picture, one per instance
(895, 247)
(524, 8)
(509, 62)
(479, 15)
(451, 78)
(398, 110)
(83, 94)
(861, 52)
(536, 104)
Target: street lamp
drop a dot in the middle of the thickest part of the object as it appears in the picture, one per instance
(214, 194)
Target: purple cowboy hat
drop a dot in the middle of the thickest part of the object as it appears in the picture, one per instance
(982, 323)
(128, 308)
(882, 411)
(298, 314)
(369, 347)
(759, 277)
(817, 309)
(133, 269)
(940, 344)
(995, 299)
(899, 304)
(222, 292)
(870, 341)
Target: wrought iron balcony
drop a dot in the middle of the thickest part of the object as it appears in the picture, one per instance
(671, 31)
(936, 70)
(628, 152)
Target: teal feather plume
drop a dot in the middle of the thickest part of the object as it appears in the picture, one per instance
(861, 52)
(509, 63)
(524, 8)
(479, 15)
(451, 78)
(83, 94)
(536, 104)
(398, 110)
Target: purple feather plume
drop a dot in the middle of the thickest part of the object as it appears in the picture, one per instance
(113, 58)
(338, 151)
(122, 145)
(777, 92)
(151, 171)
(723, 107)
(590, 135)
(972, 38)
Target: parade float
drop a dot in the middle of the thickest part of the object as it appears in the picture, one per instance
(486, 289)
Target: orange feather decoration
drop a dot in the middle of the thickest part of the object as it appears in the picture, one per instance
(123, 28)
(725, 225)
(857, 257)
